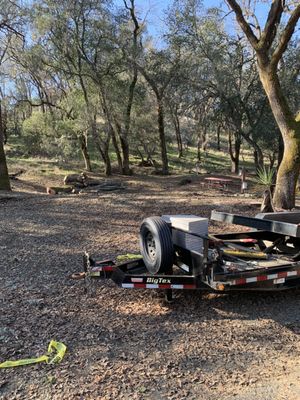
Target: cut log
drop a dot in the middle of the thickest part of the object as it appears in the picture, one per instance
(92, 182)
(77, 185)
(58, 189)
(75, 178)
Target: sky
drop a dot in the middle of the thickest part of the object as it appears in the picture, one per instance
(154, 12)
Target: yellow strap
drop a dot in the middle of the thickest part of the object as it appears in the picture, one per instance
(54, 347)
(246, 254)
(60, 350)
(25, 361)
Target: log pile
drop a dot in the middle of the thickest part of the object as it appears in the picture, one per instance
(76, 180)
(82, 183)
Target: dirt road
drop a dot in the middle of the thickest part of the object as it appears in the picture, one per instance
(130, 344)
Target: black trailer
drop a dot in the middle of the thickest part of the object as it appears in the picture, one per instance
(174, 257)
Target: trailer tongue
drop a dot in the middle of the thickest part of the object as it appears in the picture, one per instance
(178, 253)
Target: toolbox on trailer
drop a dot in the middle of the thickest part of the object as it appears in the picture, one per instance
(177, 252)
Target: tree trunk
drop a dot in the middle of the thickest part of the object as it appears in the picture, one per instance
(178, 137)
(234, 153)
(280, 151)
(92, 119)
(85, 153)
(204, 139)
(272, 158)
(4, 178)
(199, 147)
(135, 47)
(176, 123)
(236, 160)
(4, 124)
(124, 135)
(104, 152)
(116, 146)
(125, 151)
(258, 154)
(161, 130)
(255, 157)
(288, 172)
(259, 162)
(218, 138)
(95, 137)
(266, 206)
(107, 162)
(287, 175)
(110, 134)
(102, 148)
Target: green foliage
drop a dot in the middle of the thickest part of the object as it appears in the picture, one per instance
(33, 130)
(44, 136)
(266, 177)
(73, 79)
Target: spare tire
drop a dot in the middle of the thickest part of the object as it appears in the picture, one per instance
(156, 245)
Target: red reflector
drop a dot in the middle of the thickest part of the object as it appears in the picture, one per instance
(262, 278)
(108, 268)
(248, 240)
(282, 274)
(164, 286)
(139, 285)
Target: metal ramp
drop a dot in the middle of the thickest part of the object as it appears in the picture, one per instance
(272, 222)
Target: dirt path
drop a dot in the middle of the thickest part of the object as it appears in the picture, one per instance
(129, 344)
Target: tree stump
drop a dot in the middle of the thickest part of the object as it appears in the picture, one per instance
(267, 205)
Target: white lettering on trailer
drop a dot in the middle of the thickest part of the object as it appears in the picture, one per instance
(128, 285)
(159, 281)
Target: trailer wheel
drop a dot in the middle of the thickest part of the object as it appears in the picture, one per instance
(156, 245)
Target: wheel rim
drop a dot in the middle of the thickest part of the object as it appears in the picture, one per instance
(150, 245)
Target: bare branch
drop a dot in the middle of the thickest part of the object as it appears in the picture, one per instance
(256, 25)
(226, 15)
(285, 37)
(126, 5)
(273, 20)
(4, 51)
(32, 104)
(5, 26)
(243, 23)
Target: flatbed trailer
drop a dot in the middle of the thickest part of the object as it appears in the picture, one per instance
(266, 258)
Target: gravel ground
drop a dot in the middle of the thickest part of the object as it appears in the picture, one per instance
(126, 344)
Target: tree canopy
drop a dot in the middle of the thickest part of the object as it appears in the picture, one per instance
(85, 77)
